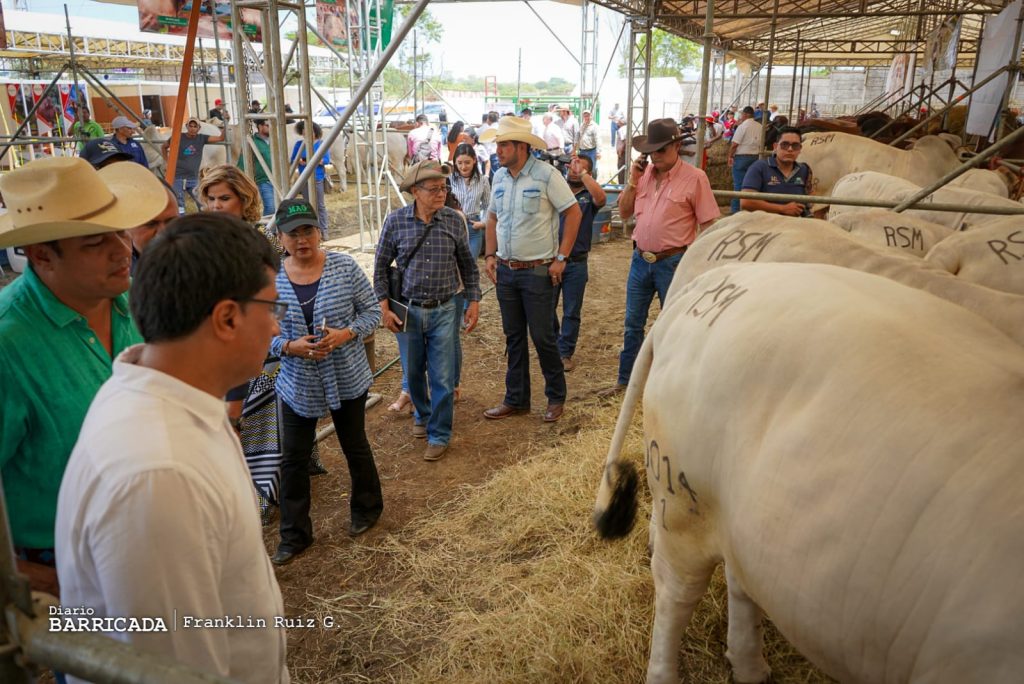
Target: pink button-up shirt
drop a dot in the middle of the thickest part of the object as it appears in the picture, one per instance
(668, 216)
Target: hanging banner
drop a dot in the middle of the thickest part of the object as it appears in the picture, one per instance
(154, 17)
(997, 49)
(940, 49)
(16, 99)
(387, 18)
(46, 114)
(70, 97)
(333, 18)
(897, 77)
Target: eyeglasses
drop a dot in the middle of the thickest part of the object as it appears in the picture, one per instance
(439, 190)
(278, 309)
(790, 145)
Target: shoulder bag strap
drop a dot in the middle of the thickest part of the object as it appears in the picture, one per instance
(415, 249)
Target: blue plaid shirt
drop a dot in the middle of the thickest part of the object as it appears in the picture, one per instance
(438, 265)
(345, 299)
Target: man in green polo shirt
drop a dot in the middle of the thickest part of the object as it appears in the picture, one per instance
(261, 140)
(85, 128)
(61, 325)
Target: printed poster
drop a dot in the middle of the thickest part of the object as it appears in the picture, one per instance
(16, 95)
(333, 17)
(170, 17)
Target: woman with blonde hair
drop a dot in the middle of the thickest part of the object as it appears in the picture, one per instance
(226, 188)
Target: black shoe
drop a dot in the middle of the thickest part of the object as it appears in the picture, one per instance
(285, 556)
(357, 528)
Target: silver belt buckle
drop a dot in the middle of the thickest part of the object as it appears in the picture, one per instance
(649, 257)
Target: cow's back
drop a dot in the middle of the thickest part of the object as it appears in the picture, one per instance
(852, 447)
(989, 254)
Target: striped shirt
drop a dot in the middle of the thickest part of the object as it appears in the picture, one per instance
(436, 268)
(474, 196)
(345, 299)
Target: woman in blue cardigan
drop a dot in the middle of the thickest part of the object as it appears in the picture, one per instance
(323, 370)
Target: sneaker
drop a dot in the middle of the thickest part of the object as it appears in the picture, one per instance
(568, 364)
(434, 452)
(419, 431)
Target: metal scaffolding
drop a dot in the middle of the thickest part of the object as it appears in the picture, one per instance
(638, 72)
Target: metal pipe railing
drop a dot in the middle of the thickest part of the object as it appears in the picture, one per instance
(876, 204)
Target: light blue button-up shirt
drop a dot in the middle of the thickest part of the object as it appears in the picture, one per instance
(527, 207)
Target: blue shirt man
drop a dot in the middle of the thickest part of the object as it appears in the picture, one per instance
(124, 129)
(526, 259)
(429, 243)
(590, 197)
(780, 174)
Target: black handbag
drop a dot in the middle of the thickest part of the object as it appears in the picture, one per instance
(395, 273)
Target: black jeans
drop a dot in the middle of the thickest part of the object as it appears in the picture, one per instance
(527, 298)
(297, 435)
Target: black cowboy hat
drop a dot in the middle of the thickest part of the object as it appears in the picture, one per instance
(660, 132)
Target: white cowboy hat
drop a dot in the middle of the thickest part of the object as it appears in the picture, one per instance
(65, 197)
(513, 128)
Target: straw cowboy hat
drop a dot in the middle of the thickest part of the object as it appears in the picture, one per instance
(424, 170)
(65, 197)
(660, 132)
(513, 128)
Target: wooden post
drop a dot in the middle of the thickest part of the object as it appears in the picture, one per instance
(182, 102)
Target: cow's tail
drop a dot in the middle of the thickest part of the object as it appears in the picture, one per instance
(615, 510)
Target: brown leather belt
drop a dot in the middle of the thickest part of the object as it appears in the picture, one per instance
(522, 265)
(655, 257)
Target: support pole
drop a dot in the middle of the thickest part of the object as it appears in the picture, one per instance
(181, 103)
(32, 112)
(709, 35)
(974, 71)
(212, 7)
(1012, 68)
(963, 168)
(875, 204)
(74, 68)
(359, 95)
(792, 85)
(768, 79)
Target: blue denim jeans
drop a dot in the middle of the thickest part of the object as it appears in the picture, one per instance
(526, 298)
(740, 164)
(403, 347)
(571, 289)
(267, 195)
(476, 241)
(494, 167)
(431, 362)
(644, 281)
(183, 185)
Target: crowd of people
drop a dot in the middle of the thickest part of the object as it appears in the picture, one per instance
(179, 410)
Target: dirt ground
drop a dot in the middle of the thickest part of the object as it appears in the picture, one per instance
(414, 488)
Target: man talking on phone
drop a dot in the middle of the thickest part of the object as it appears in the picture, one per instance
(672, 202)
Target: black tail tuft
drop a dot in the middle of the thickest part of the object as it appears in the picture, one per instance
(617, 519)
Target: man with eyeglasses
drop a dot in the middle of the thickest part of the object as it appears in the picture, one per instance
(429, 244)
(156, 515)
(780, 174)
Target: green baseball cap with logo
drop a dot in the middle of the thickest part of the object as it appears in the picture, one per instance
(295, 213)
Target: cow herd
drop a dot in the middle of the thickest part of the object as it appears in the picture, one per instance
(832, 409)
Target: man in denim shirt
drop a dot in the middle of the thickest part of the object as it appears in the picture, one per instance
(526, 260)
(429, 284)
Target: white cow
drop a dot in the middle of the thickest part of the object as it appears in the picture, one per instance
(886, 228)
(762, 237)
(834, 155)
(879, 186)
(990, 254)
(213, 155)
(850, 448)
(993, 182)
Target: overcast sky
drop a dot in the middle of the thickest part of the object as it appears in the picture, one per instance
(481, 38)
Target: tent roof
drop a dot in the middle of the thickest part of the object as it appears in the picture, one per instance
(832, 32)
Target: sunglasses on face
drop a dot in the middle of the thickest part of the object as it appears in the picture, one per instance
(790, 145)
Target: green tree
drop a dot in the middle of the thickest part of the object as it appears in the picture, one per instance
(670, 54)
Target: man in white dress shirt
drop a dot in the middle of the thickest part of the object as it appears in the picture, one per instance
(157, 516)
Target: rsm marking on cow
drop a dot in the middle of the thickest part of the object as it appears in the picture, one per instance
(823, 139)
(897, 236)
(741, 242)
(721, 297)
(1001, 247)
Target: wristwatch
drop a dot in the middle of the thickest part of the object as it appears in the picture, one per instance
(560, 257)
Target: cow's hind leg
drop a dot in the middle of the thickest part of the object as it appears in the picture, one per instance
(745, 645)
(677, 591)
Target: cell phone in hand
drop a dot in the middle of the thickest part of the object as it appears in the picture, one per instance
(321, 332)
(642, 161)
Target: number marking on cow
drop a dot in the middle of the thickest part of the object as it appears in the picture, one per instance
(719, 298)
